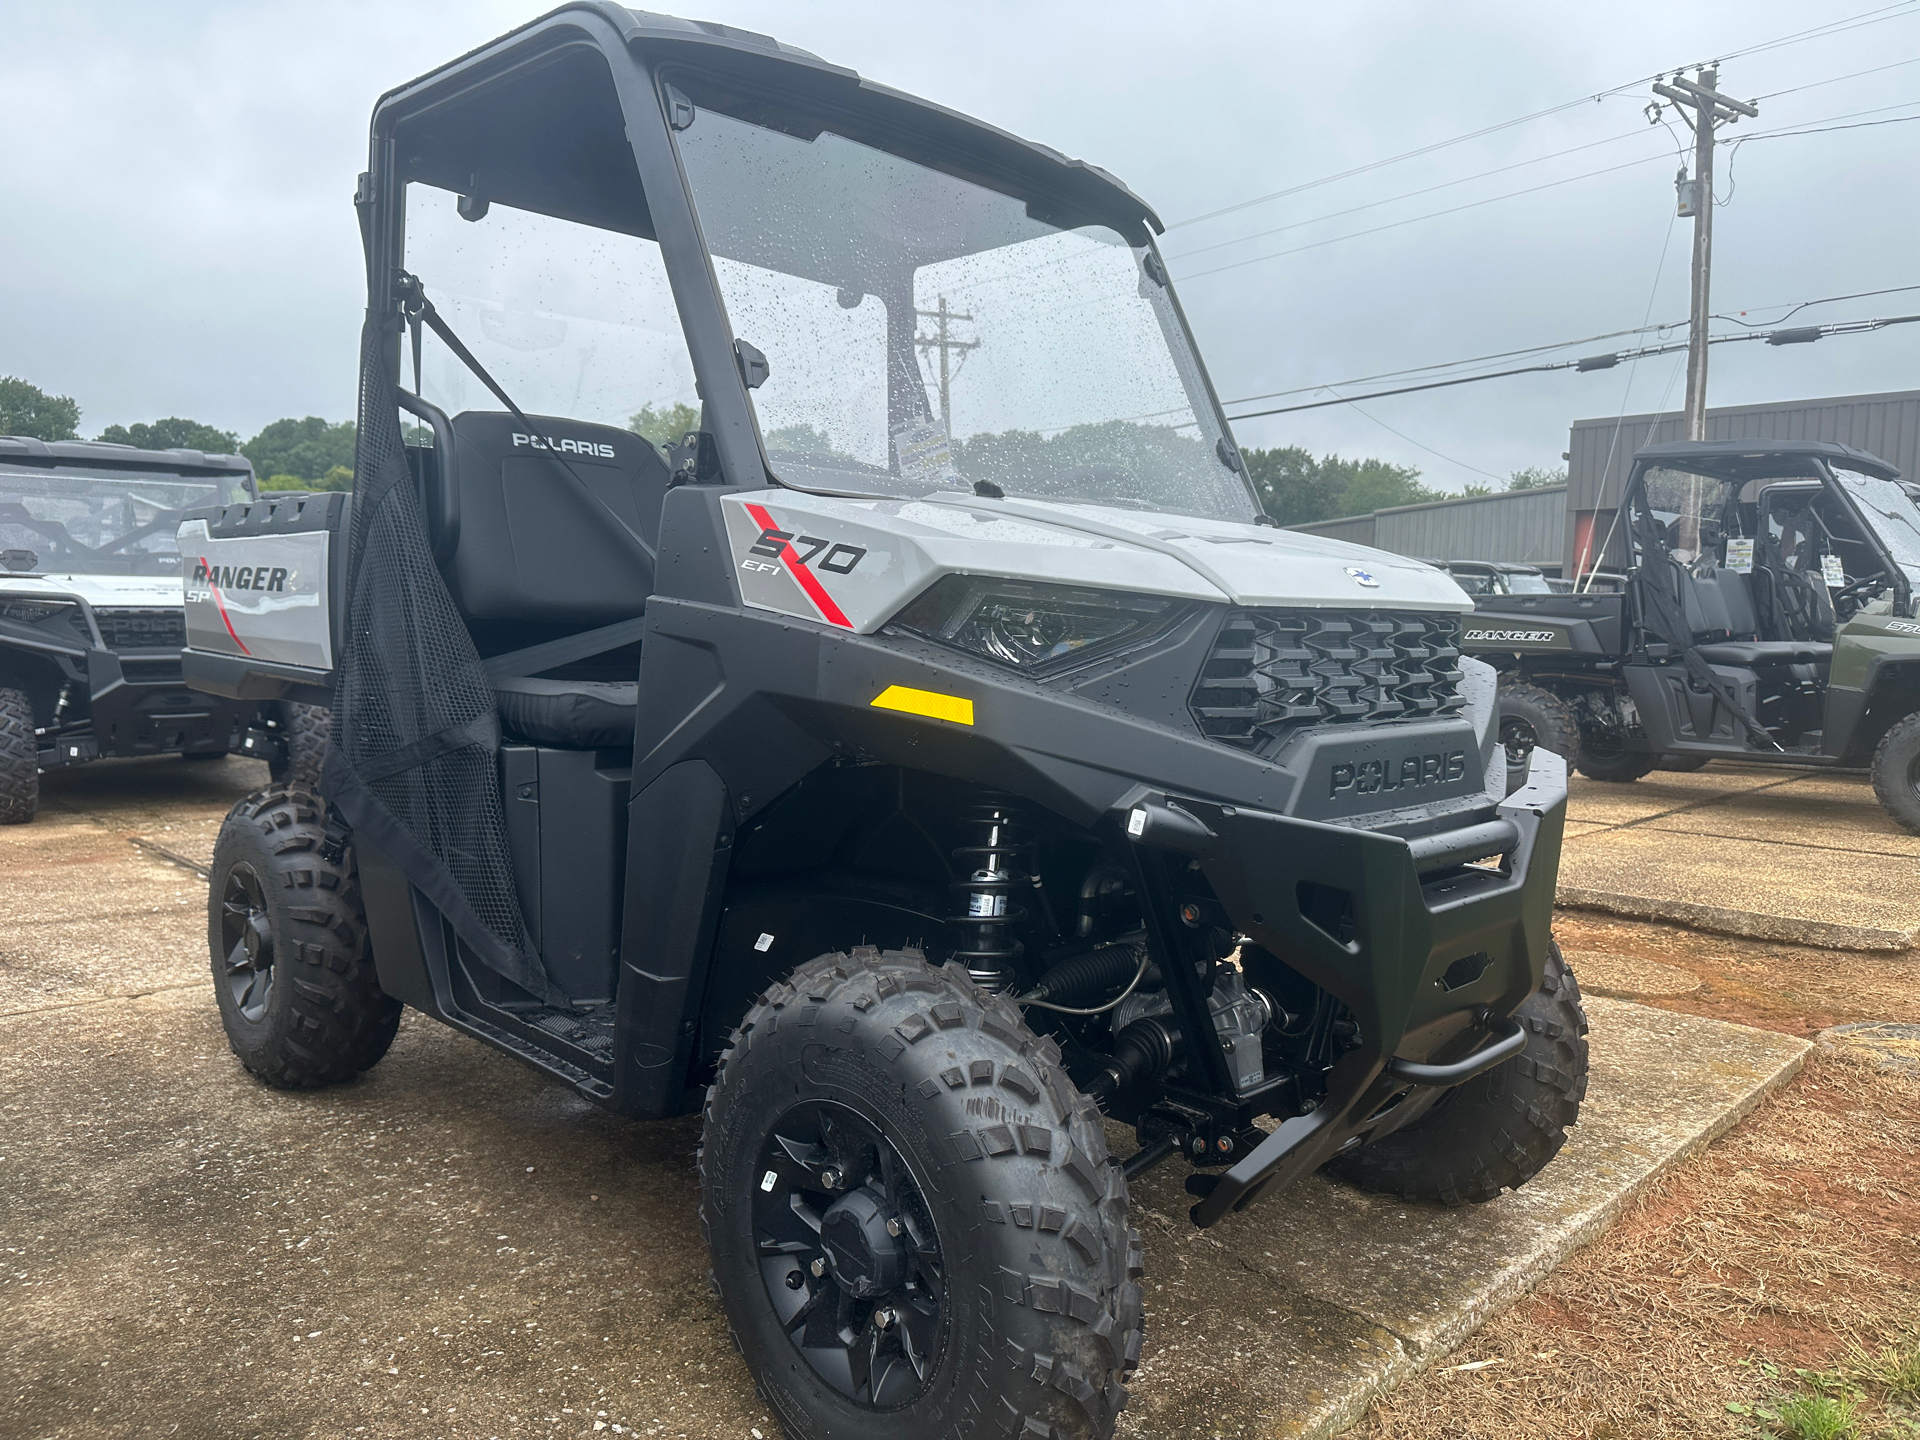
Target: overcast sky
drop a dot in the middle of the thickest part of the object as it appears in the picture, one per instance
(177, 235)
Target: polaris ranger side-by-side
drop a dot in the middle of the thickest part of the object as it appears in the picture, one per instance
(1769, 614)
(909, 766)
(91, 624)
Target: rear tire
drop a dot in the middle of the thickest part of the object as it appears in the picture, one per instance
(304, 730)
(288, 937)
(1013, 1266)
(1532, 717)
(19, 759)
(1499, 1130)
(1896, 772)
(1612, 763)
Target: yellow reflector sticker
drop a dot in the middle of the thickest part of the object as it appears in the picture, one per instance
(929, 703)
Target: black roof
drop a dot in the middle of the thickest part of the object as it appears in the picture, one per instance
(748, 56)
(95, 454)
(1759, 459)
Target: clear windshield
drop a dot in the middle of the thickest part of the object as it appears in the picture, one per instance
(925, 332)
(104, 523)
(1887, 509)
(1521, 582)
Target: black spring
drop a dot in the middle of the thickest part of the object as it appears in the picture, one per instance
(990, 950)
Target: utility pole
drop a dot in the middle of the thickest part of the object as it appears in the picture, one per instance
(1709, 107)
(944, 345)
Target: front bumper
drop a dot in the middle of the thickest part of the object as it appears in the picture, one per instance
(1430, 952)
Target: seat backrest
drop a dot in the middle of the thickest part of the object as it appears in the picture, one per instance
(1736, 596)
(1700, 602)
(533, 546)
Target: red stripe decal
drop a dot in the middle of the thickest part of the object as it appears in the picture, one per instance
(809, 582)
(221, 606)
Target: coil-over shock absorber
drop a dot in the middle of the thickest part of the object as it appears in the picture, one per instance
(989, 950)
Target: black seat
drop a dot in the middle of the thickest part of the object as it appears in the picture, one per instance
(539, 554)
(534, 546)
(568, 714)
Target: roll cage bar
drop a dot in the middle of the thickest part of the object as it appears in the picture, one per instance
(571, 116)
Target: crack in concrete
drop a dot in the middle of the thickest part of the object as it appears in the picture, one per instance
(171, 857)
(1606, 829)
(100, 1000)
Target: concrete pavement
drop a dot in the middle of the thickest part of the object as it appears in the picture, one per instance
(1767, 852)
(453, 1245)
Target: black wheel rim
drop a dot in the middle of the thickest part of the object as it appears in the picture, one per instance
(246, 939)
(1913, 774)
(849, 1256)
(1518, 738)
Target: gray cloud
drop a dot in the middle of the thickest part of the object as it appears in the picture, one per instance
(178, 236)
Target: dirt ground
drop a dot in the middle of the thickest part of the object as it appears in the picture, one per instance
(1774, 1265)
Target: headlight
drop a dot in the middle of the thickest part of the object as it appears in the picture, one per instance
(1036, 628)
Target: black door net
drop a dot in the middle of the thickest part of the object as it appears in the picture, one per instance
(413, 762)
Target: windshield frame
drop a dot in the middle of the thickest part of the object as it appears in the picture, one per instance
(1874, 524)
(1049, 201)
(121, 552)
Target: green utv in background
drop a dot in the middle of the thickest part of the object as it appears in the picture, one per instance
(1768, 615)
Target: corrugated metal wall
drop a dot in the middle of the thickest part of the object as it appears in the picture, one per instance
(1885, 425)
(1600, 451)
(1524, 526)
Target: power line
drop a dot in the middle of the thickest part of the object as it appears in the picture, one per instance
(1794, 307)
(1509, 195)
(1406, 195)
(1832, 27)
(1800, 336)
(1416, 219)
(1836, 79)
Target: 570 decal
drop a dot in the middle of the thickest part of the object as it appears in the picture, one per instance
(839, 558)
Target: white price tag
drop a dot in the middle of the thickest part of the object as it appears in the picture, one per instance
(1740, 555)
(1833, 572)
(926, 456)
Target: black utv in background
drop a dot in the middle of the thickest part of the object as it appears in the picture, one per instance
(1769, 614)
(91, 619)
(910, 769)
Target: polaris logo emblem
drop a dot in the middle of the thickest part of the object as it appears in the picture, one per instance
(1409, 772)
(1513, 637)
(566, 447)
(1363, 577)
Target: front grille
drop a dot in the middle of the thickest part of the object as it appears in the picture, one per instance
(1272, 672)
(139, 629)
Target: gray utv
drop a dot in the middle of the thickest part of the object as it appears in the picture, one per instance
(916, 756)
(1768, 615)
(91, 621)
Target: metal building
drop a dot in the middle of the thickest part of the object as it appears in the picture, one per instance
(1599, 452)
(1527, 527)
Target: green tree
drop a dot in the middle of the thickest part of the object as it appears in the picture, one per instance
(666, 424)
(1369, 485)
(28, 410)
(340, 477)
(173, 433)
(1536, 476)
(1297, 489)
(306, 449)
(1287, 480)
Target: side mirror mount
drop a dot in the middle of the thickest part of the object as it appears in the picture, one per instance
(753, 365)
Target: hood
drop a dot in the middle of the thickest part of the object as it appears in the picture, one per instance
(116, 592)
(856, 562)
